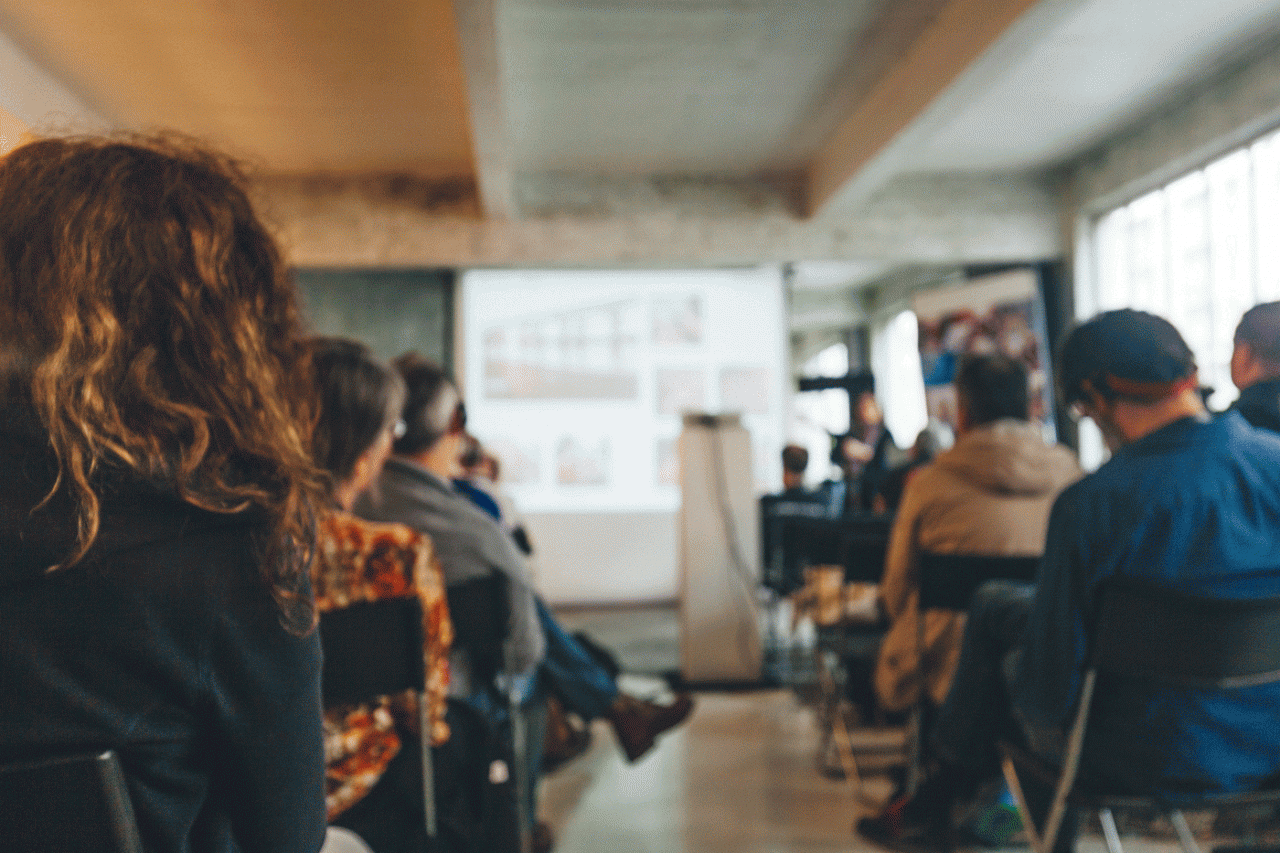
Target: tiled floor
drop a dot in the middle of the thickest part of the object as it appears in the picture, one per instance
(740, 777)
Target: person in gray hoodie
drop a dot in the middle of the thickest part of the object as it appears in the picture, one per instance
(989, 494)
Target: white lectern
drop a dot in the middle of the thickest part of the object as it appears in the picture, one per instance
(719, 552)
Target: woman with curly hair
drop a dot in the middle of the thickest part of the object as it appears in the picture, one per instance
(158, 519)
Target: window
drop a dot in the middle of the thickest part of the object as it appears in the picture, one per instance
(1199, 251)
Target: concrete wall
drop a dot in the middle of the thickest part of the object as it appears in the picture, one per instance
(390, 310)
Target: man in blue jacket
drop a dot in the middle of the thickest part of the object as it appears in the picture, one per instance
(1186, 501)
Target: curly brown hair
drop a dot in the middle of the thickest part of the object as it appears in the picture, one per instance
(147, 318)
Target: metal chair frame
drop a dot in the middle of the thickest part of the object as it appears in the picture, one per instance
(75, 803)
(1163, 637)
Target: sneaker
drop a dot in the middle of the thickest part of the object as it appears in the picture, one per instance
(889, 829)
(638, 722)
(911, 824)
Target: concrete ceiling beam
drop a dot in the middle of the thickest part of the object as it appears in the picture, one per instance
(956, 56)
(919, 219)
(482, 64)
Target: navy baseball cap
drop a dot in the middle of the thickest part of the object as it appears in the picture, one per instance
(1125, 353)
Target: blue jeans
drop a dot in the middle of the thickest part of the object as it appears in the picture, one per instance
(583, 685)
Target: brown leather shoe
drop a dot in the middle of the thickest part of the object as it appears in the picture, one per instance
(542, 839)
(566, 738)
(638, 722)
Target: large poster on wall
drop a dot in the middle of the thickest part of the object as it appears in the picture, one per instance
(1003, 312)
(578, 380)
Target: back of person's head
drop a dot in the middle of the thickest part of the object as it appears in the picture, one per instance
(1126, 355)
(147, 319)
(932, 440)
(432, 407)
(1260, 329)
(360, 396)
(991, 387)
(795, 459)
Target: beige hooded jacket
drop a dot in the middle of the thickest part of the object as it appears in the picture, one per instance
(989, 494)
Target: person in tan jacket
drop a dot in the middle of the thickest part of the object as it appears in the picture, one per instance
(989, 494)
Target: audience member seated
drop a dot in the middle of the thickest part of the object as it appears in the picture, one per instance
(372, 750)
(1255, 366)
(864, 454)
(990, 494)
(581, 674)
(930, 441)
(1185, 501)
(795, 461)
(415, 488)
(783, 561)
(159, 493)
(481, 473)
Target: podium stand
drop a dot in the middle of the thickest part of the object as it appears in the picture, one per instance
(719, 552)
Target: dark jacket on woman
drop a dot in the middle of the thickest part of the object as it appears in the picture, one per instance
(163, 644)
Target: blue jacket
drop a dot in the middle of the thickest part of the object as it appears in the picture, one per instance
(1194, 506)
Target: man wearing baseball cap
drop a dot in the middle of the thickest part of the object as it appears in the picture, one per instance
(1186, 501)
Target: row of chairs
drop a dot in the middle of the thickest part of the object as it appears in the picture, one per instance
(1148, 633)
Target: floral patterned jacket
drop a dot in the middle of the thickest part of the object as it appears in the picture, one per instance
(359, 561)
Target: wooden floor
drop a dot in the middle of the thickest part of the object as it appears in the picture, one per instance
(741, 776)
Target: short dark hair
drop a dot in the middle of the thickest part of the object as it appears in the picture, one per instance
(795, 458)
(432, 406)
(359, 395)
(1260, 329)
(1124, 354)
(992, 386)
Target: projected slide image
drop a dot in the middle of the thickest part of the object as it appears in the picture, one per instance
(745, 389)
(580, 462)
(518, 461)
(588, 353)
(680, 390)
(577, 379)
(677, 321)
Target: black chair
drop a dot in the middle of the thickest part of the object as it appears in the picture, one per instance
(372, 649)
(948, 582)
(789, 528)
(1148, 635)
(74, 804)
(846, 653)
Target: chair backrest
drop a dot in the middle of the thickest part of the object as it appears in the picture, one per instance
(371, 648)
(948, 581)
(1154, 633)
(781, 538)
(480, 609)
(72, 804)
(863, 544)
